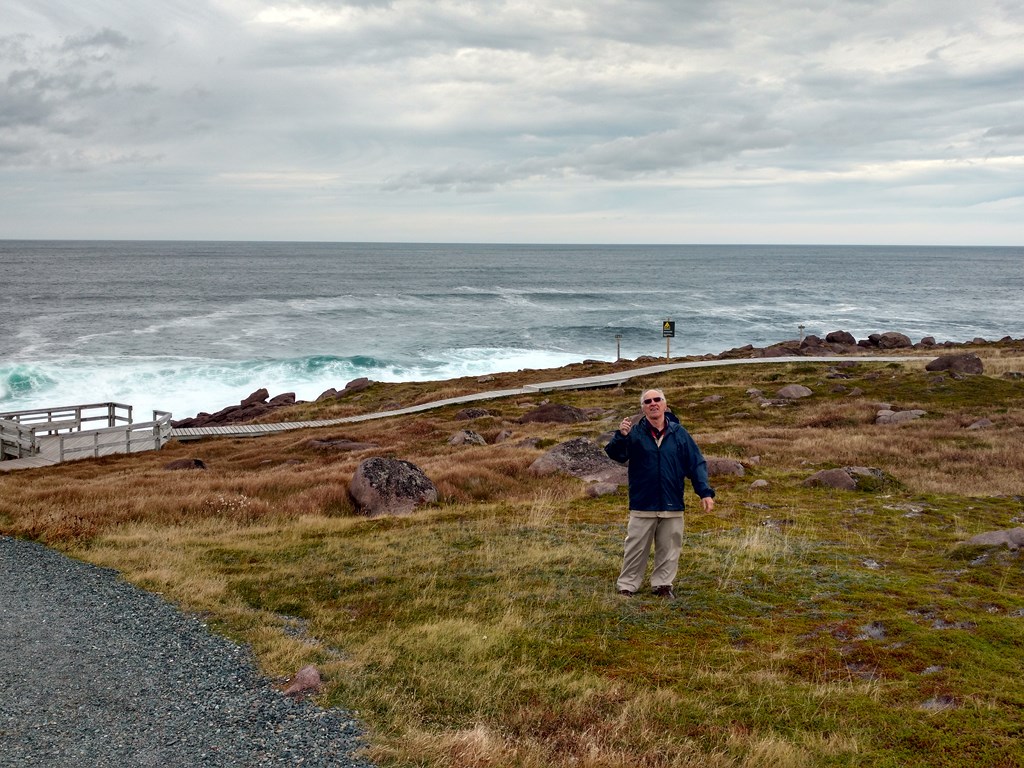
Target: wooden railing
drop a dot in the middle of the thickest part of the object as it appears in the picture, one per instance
(16, 442)
(70, 431)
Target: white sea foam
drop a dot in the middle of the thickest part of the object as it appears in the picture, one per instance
(187, 386)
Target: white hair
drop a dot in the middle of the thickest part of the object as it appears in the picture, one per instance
(652, 390)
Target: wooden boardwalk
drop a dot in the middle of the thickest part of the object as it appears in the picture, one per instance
(44, 437)
(85, 443)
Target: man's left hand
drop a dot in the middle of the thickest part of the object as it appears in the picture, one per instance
(708, 502)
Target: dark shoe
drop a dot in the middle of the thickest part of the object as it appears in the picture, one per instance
(665, 590)
(626, 593)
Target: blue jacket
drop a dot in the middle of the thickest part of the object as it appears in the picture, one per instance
(656, 475)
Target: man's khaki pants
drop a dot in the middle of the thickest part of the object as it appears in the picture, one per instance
(666, 533)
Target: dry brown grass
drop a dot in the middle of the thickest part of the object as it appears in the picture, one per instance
(484, 630)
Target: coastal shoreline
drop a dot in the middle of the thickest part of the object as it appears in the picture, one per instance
(260, 402)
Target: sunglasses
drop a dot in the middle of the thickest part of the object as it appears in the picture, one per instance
(650, 400)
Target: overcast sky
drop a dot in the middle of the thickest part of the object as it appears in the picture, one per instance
(746, 121)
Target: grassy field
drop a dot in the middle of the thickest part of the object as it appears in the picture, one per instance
(812, 627)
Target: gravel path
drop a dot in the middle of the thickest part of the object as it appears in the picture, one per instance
(98, 673)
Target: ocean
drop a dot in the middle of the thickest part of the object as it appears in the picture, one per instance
(196, 326)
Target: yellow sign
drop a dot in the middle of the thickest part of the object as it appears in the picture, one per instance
(668, 329)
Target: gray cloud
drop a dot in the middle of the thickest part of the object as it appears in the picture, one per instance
(568, 103)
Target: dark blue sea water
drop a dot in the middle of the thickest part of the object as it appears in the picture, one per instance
(191, 326)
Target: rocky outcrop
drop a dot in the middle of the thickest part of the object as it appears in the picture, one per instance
(382, 486)
(356, 385)
(582, 458)
(840, 343)
(252, 407)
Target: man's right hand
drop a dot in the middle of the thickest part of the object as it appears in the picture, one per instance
(625, 426)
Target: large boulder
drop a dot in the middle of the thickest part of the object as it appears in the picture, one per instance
(718, 467)
(841, 337)
(382, 486)
(467, 437)
(251, 407)
(893, 340)
(794, 392)
(888, 416)
(1012, 538)
(582, 458)
(968, 362)
(832, 478)
(851, 479)
(259, 396)
(555, 413)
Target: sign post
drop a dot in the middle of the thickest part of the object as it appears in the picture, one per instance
(668, 330)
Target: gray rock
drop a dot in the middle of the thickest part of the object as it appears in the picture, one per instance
(594, 490)
(382, 486)
(466, 437)
(938, 704)
(1012, 538)
(898, 417)
(758, 484)
(582, 458)
(794, 392)
(725, 467)
(981, 424)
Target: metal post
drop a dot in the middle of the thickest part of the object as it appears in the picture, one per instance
(618, 347)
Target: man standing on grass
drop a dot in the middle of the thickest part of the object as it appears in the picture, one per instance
(661, 455)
